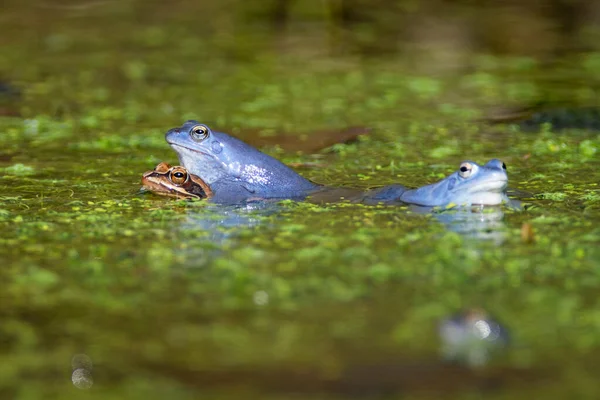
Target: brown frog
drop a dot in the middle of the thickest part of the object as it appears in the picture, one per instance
(175, 181)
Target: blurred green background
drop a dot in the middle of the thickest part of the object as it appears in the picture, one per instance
(189, 300)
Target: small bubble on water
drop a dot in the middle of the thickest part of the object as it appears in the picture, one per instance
(482, 329)
(261, 298)
(82, 378)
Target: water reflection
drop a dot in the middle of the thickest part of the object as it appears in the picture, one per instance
(219, 220)
(477, 221)
(216, 224)
(471, 337)
(224, 222)
(221, 223)
(485, 223)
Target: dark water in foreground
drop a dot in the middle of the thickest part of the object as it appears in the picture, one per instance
(150, 298)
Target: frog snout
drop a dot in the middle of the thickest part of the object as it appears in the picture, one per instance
(172, 133)
(498, 176)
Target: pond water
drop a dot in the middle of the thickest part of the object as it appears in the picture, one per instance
(109, 293)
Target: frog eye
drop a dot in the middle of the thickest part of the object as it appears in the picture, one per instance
(199, 133)
(465, 169)
(178, 176)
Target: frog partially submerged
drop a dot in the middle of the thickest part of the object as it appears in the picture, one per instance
(234, 170)
(175, 182)
(471, 184)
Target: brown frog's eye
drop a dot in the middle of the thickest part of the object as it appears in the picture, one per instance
(199, 133)
(178, 176)
(465, 169)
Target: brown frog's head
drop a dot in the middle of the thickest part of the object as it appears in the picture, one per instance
(175, 182)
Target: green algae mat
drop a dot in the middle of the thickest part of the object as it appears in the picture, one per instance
(110, 293)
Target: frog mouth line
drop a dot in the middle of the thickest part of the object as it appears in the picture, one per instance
(495, 186)
(175, 145)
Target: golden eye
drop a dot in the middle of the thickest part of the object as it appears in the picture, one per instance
(199, 133)
(465, 169)
(178, 176)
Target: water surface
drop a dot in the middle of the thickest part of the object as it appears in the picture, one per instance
(187, 300)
